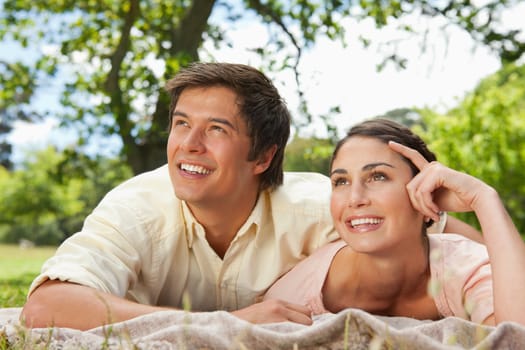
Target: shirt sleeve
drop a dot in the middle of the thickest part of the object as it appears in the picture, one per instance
(103, 255)
(463, 270)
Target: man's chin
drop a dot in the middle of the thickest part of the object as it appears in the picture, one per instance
(194, 199)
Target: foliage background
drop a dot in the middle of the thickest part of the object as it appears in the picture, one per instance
(18, 267)
(47, 199)
(105, 49)
(485, 136)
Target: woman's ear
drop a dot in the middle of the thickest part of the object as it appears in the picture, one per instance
(264, 160)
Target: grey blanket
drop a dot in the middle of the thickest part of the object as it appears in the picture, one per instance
(349, 329)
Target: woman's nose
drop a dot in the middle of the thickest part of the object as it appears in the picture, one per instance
(358, 195)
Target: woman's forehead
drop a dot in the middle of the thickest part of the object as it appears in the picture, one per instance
(358, 151)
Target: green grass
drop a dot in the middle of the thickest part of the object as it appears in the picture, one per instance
(18, 268)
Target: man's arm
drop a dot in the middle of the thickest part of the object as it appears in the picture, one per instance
(64, 304)
(273, 310)
(455, 225)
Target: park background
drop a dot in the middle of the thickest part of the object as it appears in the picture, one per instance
(82, 105)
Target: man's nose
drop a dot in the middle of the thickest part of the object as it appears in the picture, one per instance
(193, 141)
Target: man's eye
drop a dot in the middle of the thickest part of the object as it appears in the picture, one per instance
(217, 128)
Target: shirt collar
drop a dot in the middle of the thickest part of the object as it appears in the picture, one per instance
(189, 222)
(193, 227)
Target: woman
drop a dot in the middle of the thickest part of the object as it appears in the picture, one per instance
(386, 189)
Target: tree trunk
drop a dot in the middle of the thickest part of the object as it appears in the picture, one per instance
(186, 39)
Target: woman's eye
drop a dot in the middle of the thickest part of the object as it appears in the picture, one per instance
(180, 122)
(378, 177)
(339, 182)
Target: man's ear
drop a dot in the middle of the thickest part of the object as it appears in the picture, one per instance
(264, 160)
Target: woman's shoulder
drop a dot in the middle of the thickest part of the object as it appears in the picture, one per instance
(453, 241)
(461, 276)
(456, 253)
(321, 258)
(303, 283)
(454, 248)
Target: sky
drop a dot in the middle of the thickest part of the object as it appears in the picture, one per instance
(344, 76)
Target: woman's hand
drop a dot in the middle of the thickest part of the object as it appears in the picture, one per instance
(439, 188)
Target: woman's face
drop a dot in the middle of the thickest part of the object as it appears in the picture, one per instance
(370, 205)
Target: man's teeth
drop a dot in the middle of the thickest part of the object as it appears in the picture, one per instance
(365, 221)
(196, 169)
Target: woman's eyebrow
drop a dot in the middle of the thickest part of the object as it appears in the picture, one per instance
(338, 171)
(367, 167)
(179, 113)
(375, 165)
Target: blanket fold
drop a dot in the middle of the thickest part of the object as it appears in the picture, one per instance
(348, 329)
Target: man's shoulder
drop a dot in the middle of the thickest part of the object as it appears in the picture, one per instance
(144, 204)
(152, 179)
(153, 186)
(306, 176)
(301, 179)
(302, 187)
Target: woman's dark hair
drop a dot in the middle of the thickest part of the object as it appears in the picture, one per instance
(387, 130)
(262, 108)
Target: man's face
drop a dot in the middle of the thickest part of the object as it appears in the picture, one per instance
(208, 149)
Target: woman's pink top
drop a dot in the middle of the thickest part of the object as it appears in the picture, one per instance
(461, 278)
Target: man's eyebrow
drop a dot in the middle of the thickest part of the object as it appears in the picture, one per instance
(224, 122)
(211, 119)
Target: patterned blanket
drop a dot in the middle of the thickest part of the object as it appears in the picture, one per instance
(348, 329)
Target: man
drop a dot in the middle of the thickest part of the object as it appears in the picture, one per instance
(216, 226)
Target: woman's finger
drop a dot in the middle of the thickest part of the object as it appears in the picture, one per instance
(411, 154)
(421, 190)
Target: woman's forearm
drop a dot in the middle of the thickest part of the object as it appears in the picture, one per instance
(507, 256)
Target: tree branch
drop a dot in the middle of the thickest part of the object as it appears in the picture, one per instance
(265, 10)
(123, 46)
(187, 36)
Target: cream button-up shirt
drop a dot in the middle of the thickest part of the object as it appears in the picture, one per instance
(143, 243)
